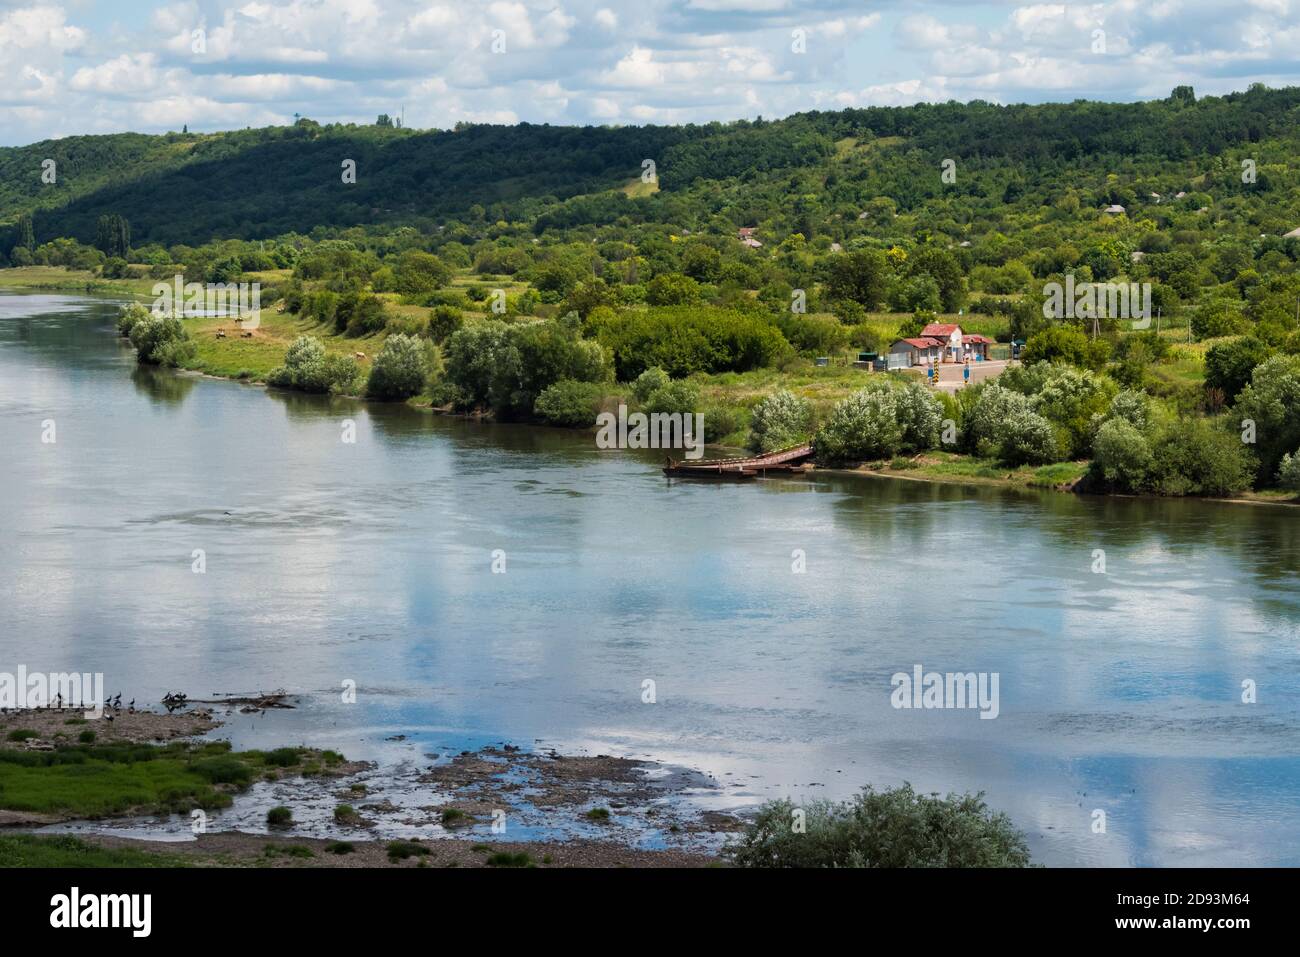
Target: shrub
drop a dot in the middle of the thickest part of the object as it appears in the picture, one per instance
(1272, 401)
(308, 368)
(1193, 457)
(339, 847)
(1132, 407)
(680, 397)
(779, 420)
(86, 737)
(279, 816)
(506, 859)
(683, 340)
(401, 850)
(1229, 365)
(569, 403)
(1218, 317)
(222, 769)
(814, 335)
(505, 367)
(1065, 344)
(21, 734)
(721, 421)
(648, 381)
(443, 322)
(920, 415)
(400, 370)
(151, 334)
(128, 316)
(1002, 424)
(864, 426)
(895, 827)
(671, 289)
(1121, 456)
(1288, 473)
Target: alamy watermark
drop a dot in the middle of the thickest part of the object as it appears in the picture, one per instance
(61, 689)
(654, 430)
(242, 300)
(932, 689)
(1098, 300)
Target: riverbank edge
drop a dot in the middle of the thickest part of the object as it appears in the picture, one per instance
(873, 470)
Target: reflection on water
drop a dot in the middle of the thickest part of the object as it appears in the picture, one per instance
(371, 561)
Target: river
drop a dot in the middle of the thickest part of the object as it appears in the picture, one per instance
(371, 562)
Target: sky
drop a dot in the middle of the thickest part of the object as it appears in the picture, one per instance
(93, 66)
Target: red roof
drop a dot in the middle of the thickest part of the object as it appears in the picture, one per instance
(941, 329)
(975, 338)
(919, 343)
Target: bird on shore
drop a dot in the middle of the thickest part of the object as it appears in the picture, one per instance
(130, 709)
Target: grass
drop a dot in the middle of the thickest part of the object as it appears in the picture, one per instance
(952, 467)
(90, 780)
(401, 850)
(30, 850)
(600, 814)
(279, 816)
(57, 277)
(288, 850)
(507, 859)
(340, 847)
(22, 734)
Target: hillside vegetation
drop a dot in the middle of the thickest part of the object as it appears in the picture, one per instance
(540, 272)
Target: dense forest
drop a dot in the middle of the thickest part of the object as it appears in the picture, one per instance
(537, 271)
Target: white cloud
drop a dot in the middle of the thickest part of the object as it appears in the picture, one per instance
(64, 70)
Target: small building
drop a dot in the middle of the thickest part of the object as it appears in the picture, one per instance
(918, 351)
(948, 336)
(751, 242)
(1294, 234)
(975, 347)
(745, 232)
(1115, 210)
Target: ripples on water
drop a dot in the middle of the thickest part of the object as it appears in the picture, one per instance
(372, 562)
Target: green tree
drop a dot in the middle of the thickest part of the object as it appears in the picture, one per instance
(400, 370)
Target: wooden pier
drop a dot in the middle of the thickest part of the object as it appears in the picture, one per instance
(793, 460)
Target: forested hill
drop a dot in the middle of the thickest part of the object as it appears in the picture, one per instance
(800, 173)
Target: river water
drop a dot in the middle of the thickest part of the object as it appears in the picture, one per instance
(371, 562)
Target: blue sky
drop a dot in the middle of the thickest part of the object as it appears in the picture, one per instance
(82, 66)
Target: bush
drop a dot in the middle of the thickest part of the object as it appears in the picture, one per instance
(279, 816)
(1228, 365)
(401, 850)
(862, 427)
(1121, 456)
(684, 340)
(1064, 344)
(895, 827)
(1288, 473)
(505, 367)
(443, 322)
(649, 381)
(920, 414)
(151, 334)
(308, 368)
(400, 370)
(569, 403)
(128, 316)
(674, 397)
(671, 289)
(1002, 424)
(1272, 401)
(1193, 457)
(779, 420)
(721, 421)
(1218, 317)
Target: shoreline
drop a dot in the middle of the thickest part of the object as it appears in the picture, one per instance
(460, 810)
(863, 469)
